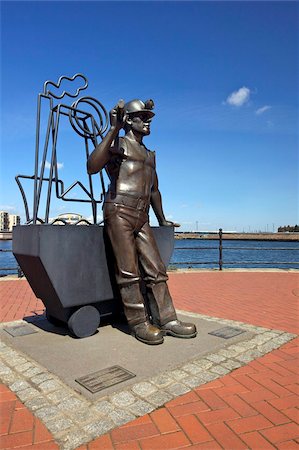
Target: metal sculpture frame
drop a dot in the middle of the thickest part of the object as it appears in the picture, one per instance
(85, 126)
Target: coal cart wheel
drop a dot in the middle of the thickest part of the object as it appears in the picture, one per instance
(53, 320)
(84, 322)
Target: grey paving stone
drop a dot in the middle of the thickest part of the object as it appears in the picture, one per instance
(9, 353)
(290, 335)
(9, 377)
(19, 385)
(103, 407)
(254, 328)
(17, 361)
(282, 339)
(38, 379)
(203, 363)
(272, 334)
(207, 377)
(83, 415)
(249, 345)
(177, 374)
(159, 398)
(249, 356)
(72, 403)
(192, 368)
(144, 389)
(47, 412)
(162, 380)
(23, 367)
(4, 369)
(232, 364)
(215, 357)
(219, 370)
(49, 385)
(261, 338)
(32, 371)
(58, 396)
(237, 349)
(59, 424)
(120, 417)
(267, 347)
(37, 402)
(228, 353)
(140, 408)
(177, 389)
(27, 394)
(123, 399)
(71, 441)
(98, 427)
(192, 381)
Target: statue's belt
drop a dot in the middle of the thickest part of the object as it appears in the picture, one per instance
(137, 203)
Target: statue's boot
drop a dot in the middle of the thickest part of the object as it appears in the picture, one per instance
(164, 315)
(137, 316)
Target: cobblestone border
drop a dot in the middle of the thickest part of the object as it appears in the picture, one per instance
(74, 420)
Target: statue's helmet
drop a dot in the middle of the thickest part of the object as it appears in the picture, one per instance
(137, 106)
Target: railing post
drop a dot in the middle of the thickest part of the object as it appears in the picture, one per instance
(220, 249)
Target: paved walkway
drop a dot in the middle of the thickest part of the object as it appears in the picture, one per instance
(255, 406)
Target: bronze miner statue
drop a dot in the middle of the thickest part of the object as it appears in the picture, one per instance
(133, 188)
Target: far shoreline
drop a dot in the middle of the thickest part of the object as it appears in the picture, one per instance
(286, 237)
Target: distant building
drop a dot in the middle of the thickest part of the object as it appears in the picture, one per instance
(14, 220)
(288, 229)
(69, 218)
(4, 221)
(8, 221)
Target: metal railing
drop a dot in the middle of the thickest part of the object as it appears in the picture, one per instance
(220, 263)
(17, 269)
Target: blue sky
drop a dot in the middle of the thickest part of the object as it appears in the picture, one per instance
(224, 78)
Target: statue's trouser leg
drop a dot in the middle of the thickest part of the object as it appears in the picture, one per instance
(158, 296)
(120, 224)
(133, 303)
(155, 276)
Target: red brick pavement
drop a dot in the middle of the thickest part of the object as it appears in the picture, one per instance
(18, 426)
(18, 301)
(252, 297)
(254, 407)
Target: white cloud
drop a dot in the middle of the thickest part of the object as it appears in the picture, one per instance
(239, 97)
(48, 165)
(7, 208)
(262, 110)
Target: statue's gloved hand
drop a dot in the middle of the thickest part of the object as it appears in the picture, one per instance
(118, 115)
(168, 223)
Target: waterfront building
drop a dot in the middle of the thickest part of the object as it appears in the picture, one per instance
(8, 221)
(14, 220)
(4, 221)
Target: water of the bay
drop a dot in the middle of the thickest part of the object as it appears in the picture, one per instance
(203, 253)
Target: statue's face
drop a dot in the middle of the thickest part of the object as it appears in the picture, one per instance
(141, 123)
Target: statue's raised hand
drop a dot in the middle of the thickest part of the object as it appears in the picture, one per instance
(168, 223)
(118, 115)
